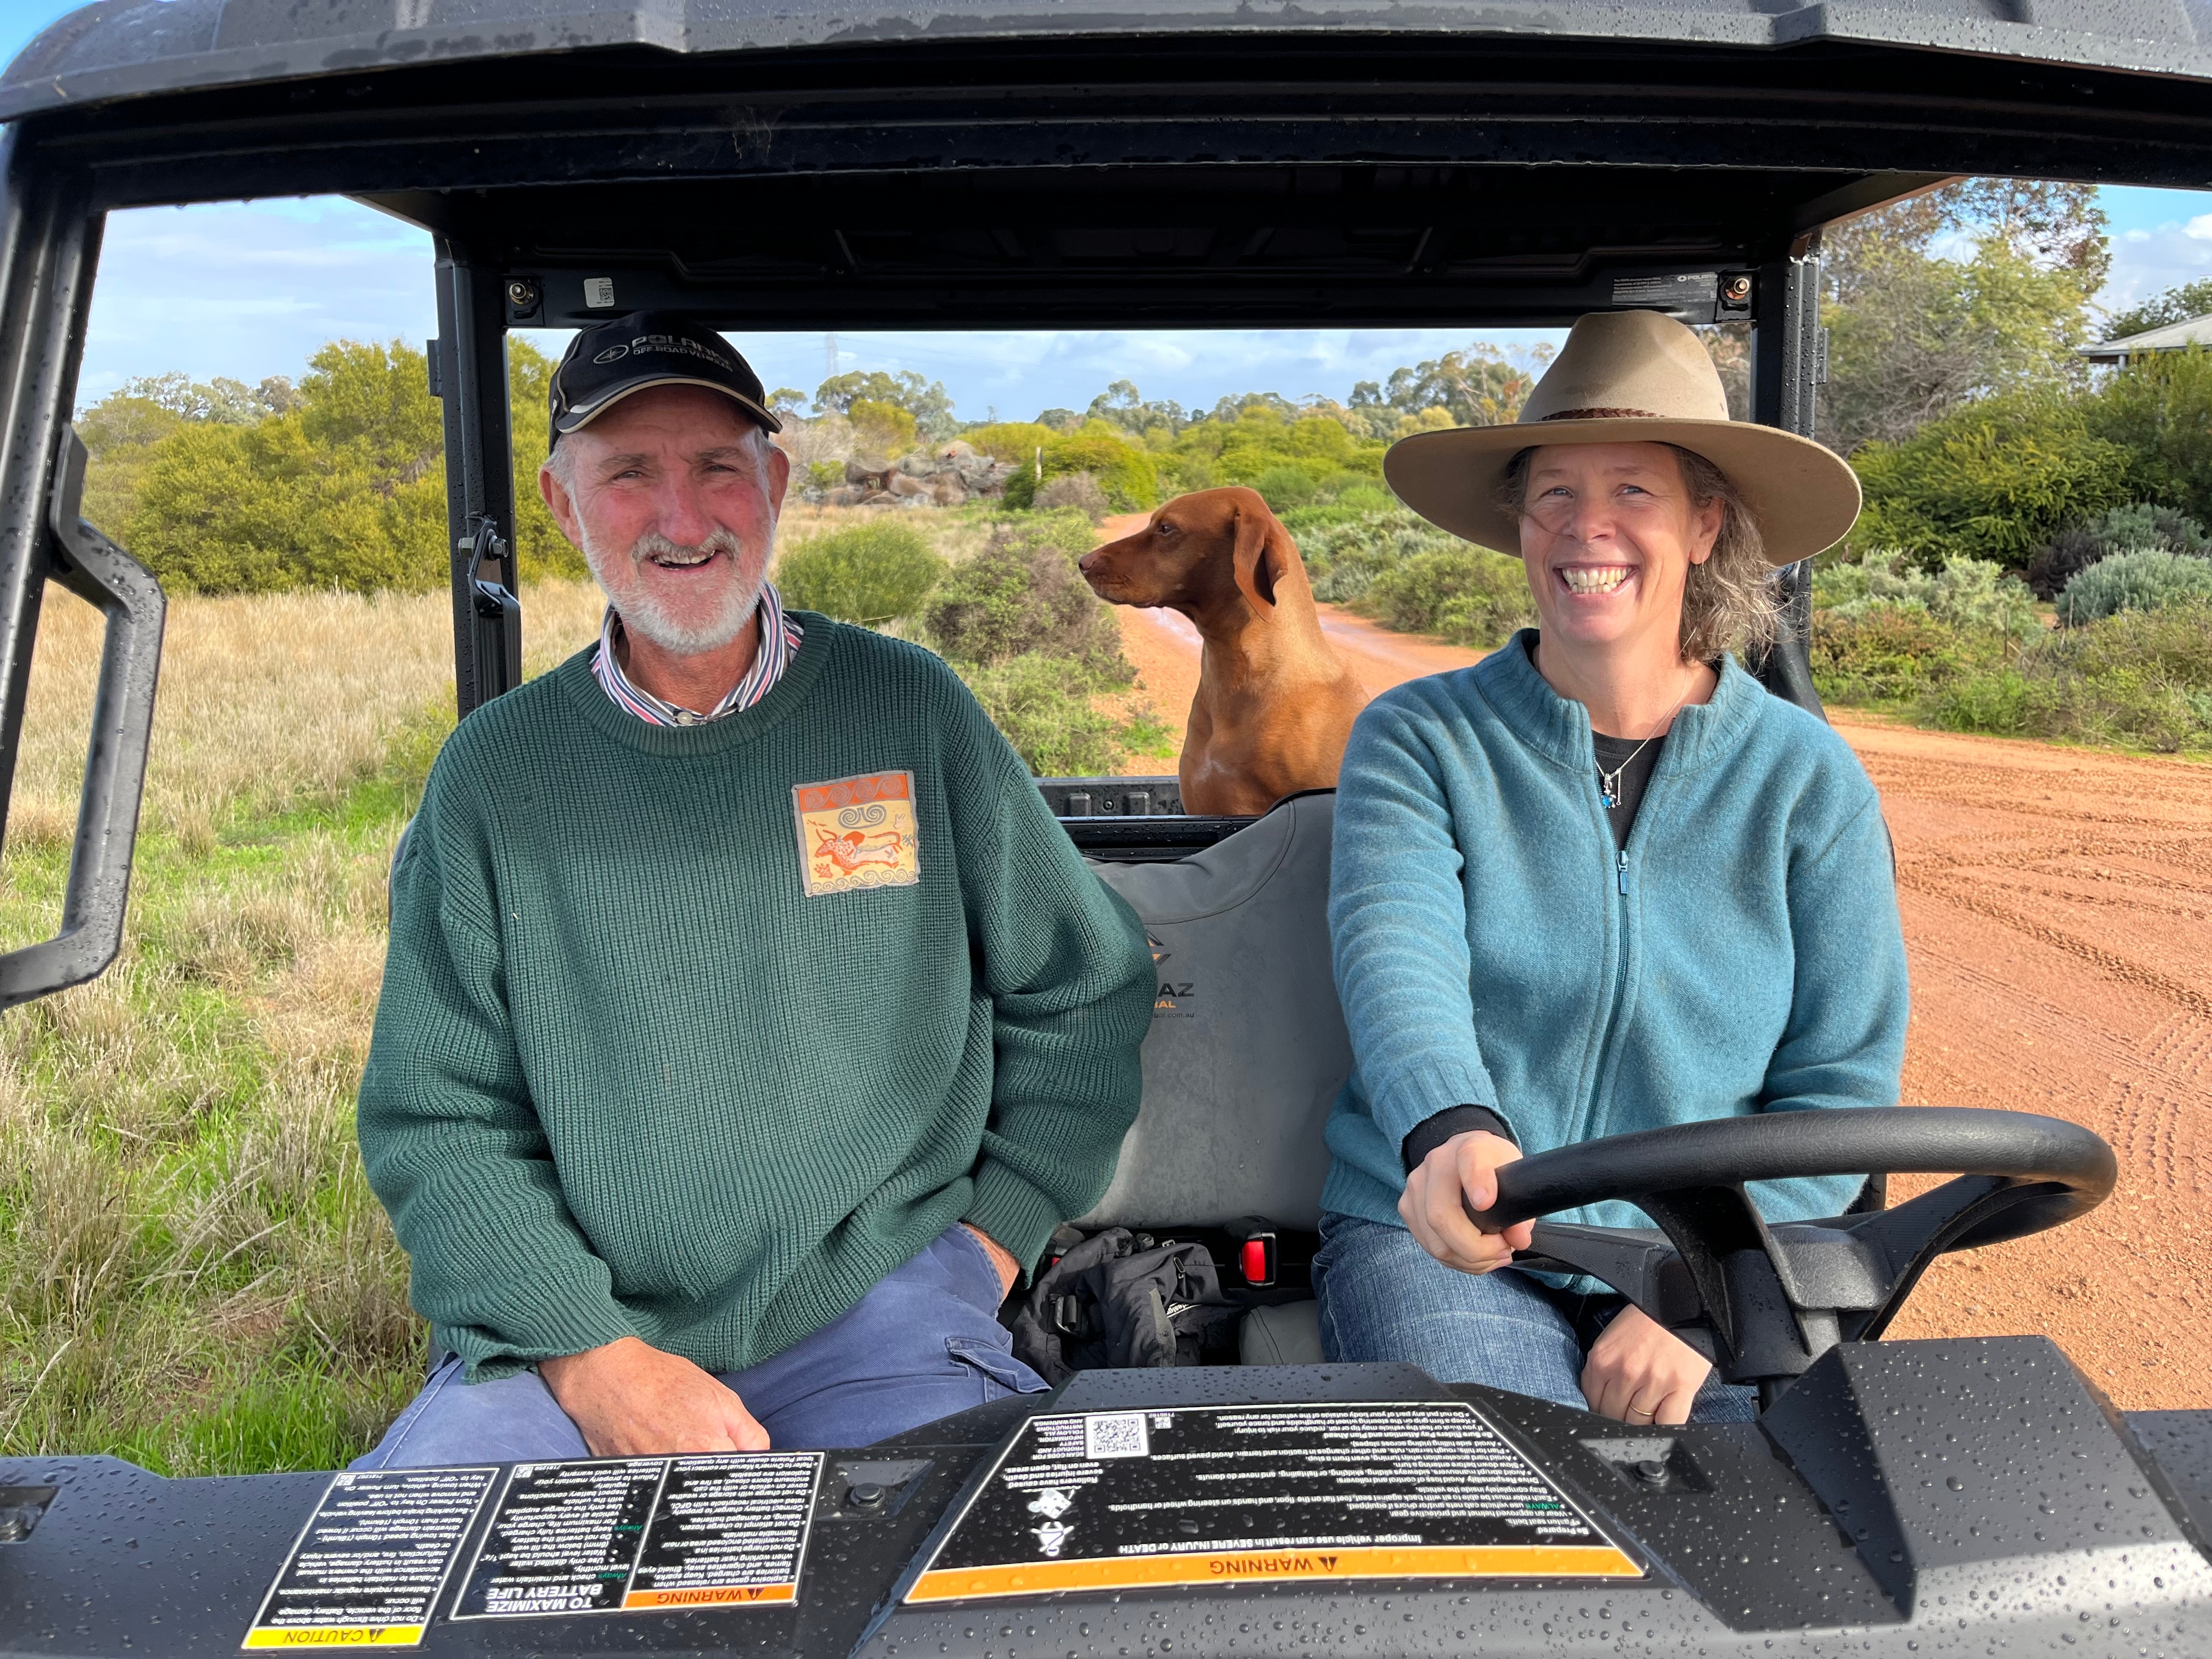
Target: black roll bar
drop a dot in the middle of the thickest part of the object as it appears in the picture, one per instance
(49, 246)
(1789, 361)
(468, 375)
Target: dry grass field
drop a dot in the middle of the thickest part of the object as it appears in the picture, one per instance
(193, 1273)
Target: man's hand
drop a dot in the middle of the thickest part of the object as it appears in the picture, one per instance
(1638, 1371)
(1001, 1258)
(1462, 1172)
(631, 1399)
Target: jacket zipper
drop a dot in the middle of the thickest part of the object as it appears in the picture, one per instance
(1608, 1059)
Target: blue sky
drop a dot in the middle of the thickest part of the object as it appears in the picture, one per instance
(249, 289)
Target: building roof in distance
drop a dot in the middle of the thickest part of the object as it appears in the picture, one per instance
(2173, 337)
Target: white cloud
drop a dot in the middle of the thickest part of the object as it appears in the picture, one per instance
(2146, 262)
(250, 289)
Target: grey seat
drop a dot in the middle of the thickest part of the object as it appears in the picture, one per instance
(1248, 1047)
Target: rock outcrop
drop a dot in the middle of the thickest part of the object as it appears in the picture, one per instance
(944, 475)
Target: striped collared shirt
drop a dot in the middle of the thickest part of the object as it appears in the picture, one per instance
(780, 638)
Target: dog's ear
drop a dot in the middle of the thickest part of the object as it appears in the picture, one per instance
(1259, 559)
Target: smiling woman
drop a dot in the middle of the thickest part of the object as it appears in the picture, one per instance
(1502, 1002)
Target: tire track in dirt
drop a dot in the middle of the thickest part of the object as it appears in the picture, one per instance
(2062, 962)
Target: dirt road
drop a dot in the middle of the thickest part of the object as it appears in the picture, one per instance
(2059, 916)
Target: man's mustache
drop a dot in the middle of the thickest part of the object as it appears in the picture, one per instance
(657, 548)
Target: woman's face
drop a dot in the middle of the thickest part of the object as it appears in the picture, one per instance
(1608, 534)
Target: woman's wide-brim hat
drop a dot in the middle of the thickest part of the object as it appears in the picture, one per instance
(1627, 377)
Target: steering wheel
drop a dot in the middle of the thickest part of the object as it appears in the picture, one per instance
(1762, 1301)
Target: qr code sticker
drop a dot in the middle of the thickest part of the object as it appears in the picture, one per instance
(1121, 1434)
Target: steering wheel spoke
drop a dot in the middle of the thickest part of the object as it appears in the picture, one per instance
(1762, 1301)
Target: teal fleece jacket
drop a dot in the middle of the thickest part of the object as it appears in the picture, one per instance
(679, 1040)
(1741, 954)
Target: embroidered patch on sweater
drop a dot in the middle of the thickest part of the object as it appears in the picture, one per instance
(857, 833)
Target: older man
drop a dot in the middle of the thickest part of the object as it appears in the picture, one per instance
(749, 1023)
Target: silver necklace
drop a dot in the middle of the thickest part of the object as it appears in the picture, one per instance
(1609, 783)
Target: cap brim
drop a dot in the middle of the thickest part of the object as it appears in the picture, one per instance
(1805, 496)
(574, 419)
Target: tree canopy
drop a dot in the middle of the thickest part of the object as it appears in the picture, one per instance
(925, 400)
(2176, 305)
(1974, 289)
(339, 482)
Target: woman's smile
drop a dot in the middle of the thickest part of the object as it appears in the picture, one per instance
(1595, 580)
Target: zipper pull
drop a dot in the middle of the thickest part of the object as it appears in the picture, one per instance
(1623, 868)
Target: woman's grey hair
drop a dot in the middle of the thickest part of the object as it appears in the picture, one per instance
(1731, 601)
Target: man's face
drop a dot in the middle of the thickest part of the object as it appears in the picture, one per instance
(672, 495)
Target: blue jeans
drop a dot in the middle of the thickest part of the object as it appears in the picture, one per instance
(1382, 1296)
(923, 1343)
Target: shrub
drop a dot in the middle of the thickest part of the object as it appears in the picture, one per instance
(344, 488)
(825, 474)
(1464, 593)
(869, 574)
(1023, 595)
(1046, 716)
(1079, 490)
(1884, 651)
(2149, 580)
(1995, 480)
(881, 430)
(1285, 487)
(1124, 471)
(1010, 441)
(2123, 530)
(1020, 493)
(2159, 411)
(1967, 593)
(2138, 677)
(1344, 558)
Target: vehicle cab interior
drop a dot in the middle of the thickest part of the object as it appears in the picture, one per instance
(1197, 165)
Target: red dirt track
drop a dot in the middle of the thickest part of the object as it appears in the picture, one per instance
(2057, 909)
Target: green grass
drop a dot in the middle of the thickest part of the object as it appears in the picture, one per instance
(193, 1272)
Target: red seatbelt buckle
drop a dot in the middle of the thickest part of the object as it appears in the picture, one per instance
(1256, 1250)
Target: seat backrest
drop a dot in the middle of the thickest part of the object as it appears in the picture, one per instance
(1248, 1047)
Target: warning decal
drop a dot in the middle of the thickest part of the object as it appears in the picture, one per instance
(370, 1564)
(625, 1535)
(1220, 1494)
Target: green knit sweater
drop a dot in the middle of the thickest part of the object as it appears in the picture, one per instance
(675, 1045)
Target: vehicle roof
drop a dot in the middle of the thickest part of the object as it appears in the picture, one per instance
(117, 48)
(1113, 163)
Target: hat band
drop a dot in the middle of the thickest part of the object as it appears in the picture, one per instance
(1601, 415)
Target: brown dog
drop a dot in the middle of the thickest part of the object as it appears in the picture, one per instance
(1274, 702)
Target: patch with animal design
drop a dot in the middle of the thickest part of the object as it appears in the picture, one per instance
(857, 833)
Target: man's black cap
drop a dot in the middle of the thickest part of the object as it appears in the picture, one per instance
(604, 364)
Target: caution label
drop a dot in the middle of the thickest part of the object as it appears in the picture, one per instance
(374, 1558)
(1222, 1495)
(628, 1534)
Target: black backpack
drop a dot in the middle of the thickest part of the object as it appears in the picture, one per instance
(1120, 1299)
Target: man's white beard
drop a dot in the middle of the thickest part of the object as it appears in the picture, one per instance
(620, 579)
